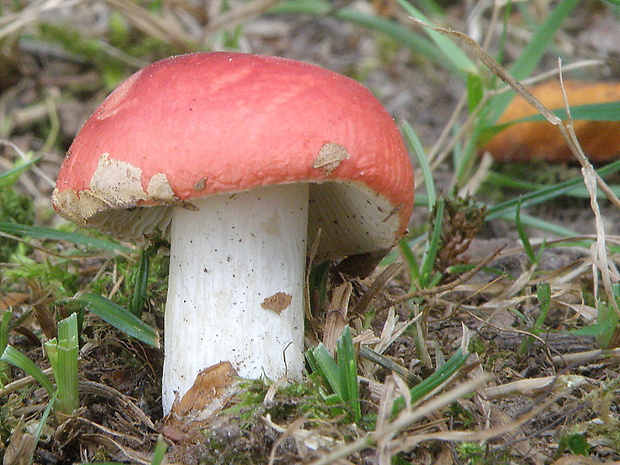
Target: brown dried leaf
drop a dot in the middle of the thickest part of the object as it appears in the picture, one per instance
(336, 317)
(521, 142)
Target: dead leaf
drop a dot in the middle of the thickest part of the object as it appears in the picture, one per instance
(12, 299)
(528, 141)
(336, 318)
(21, 447)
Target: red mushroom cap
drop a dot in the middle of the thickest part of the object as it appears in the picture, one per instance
(206, 123)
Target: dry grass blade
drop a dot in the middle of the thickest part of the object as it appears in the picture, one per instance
(11, 23)
(235, 16)
(437, 290)
(23, 382)
(406, 419)
(591, 179)
(412, 441)
(311, 439)
(336, 317)
(167, 30)
(477, 178)
(124, 402)
(583, 358)
(392, 329)
(532, 387)
(375, 287)
(573, 460)
(133, 455)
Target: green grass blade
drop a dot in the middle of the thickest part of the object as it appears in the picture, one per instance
(572, 187)
(525, 240)
(4, 341)
(327, 368)
(415, 144)
(38, 232)
(609, 111)
(141, 280)
(605, 328)
(547, 192)
(120, 318)
(15, 171)
(475, 91)
(15, 357)
(160, 451)
(435, 380)
(430, 254)
(410, 39)
(348, 373)
(577, 191)
(543, 293)
(540, 224)
(542, 38)
(414, 268)
(459, 59)
(533, 52)
(63, 352)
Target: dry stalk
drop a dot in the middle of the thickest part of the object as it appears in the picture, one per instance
(437, 290)
(478, 177)
(10, 23)
(583, 358)
(410, 442)
(336, 317)
(375, 287)
(591, 178)
(404, 420)
(153, 26)
(235, 16)
(533, 387)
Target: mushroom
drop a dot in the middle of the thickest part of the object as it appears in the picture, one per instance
(241, 161)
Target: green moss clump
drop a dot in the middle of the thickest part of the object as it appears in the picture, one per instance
(14, 208)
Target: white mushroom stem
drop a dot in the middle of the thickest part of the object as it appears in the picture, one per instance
(235, 290)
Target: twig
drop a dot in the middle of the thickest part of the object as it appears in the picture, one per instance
(24, 157)
(375, 287)
(451, 285)
(23, 382)
(590, 180)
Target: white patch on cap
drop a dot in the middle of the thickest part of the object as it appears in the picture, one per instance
(118, 183)
(116, 187)
(329, 158)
